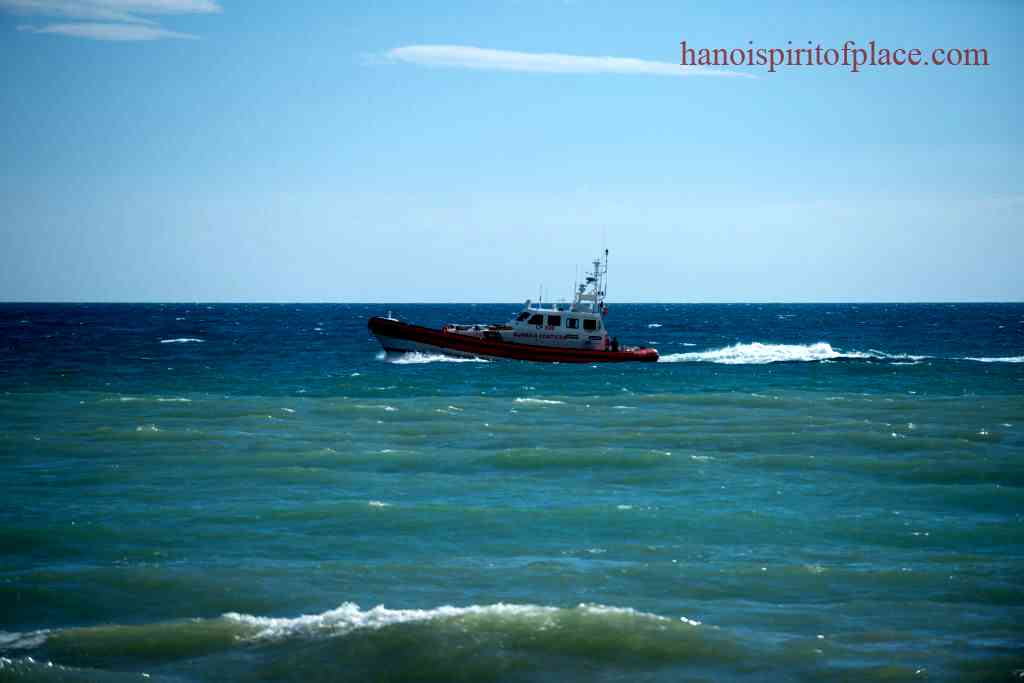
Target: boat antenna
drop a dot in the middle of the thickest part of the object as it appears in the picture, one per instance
(604, 287)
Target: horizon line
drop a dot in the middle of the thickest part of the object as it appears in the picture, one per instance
(125, 302)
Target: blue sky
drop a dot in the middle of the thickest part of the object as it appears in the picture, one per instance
(192, 150)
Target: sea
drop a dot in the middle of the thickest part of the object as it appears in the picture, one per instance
(201, 492)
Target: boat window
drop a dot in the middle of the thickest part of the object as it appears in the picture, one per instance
(589, 324)
(572, 323)
(555, 320)
(537, 319)
(523, 316)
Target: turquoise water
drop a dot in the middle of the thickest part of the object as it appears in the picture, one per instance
(816, 492)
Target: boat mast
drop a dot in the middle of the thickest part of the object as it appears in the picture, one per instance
(597, 281)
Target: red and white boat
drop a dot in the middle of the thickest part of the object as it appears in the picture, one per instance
(560, 332)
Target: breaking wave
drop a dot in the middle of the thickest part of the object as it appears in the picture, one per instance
(349, 617)
(998, 359)
(369, 638)
(181, 340)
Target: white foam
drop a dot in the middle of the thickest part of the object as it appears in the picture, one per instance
(181, 340)
(654, 325)
(997, 359)
(378, 504)
(417, 358)
(132, 399)
(757, 353)
(540, 401)
(348, 617)
(875, 353)
(22, 641)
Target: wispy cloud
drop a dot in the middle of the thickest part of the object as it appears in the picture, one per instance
(115, 32)
(483, 59)
(117, 20)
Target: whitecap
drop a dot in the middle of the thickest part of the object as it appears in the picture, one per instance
(654, 325)
(378, 504)
(540, 401)
(181, 340)
(996, 359)
(349, 617)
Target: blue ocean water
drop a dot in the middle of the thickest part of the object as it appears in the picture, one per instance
(253, 492)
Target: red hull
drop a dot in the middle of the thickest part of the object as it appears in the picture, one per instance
(385, 328)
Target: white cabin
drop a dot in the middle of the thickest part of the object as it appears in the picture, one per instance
(579, 324)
